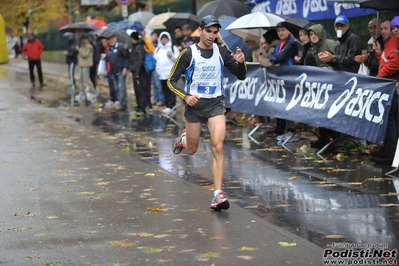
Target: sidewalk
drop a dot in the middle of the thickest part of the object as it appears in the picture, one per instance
(71, 198)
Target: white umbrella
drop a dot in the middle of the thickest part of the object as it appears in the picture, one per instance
(141, 16)
(255, 20)
(251, 34)
(156, 23)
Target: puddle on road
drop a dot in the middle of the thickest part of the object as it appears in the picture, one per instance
(323, 200)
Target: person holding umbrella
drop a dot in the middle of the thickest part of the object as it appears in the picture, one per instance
(284, 54)
(203, 95)
(119, 64)
(71, 60)
(306, 58)
(269, 43)
(85, 62)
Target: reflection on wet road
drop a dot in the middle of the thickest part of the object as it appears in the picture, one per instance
(323, 200)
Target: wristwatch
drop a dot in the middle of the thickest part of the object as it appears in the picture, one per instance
(334, 59)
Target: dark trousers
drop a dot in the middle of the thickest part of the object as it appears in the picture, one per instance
(280, 126)
(71, 73)
(93, 74)
(391, 135)
(170, 97)
(112, 91)
(147, 88)
(38, 64)
(139, 92)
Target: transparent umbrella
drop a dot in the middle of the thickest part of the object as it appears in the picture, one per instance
(141, 16)
(156, 23)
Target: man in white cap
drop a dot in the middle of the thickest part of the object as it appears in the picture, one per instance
(203, 95)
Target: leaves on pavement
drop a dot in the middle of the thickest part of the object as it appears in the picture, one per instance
(122, 243)
(287, 244)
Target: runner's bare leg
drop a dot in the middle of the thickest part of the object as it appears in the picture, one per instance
(217, 128)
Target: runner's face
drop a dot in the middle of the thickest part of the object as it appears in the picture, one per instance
(208, 35)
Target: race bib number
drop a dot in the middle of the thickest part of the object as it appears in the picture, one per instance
(206, 89)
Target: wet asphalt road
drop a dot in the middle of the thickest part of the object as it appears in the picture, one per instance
(322, 201)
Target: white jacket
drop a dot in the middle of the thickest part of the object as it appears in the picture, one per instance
(165, 63)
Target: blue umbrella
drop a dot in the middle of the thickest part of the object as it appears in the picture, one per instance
(125, 25)
(232, 41)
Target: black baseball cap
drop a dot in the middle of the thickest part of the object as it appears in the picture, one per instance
(209, 21)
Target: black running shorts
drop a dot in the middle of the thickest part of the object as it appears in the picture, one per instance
(204, 109)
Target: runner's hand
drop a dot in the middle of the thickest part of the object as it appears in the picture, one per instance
(191, 100)
(239, 56)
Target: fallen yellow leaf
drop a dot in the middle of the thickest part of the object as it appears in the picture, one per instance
(287, 244)
(252, 207)
(128, 149)
(378, 179)
(34, 189)
(248, 249)
(150, 209)
(293, 178)
(334, 236)
(246, 257)
(341, 157)
(122, 243)
(145, 234)
(355, 183)
(283, 205)
(102, 183)
(389, 205)
(209, 255)
(18, 229)
(151, 174)
(154, 250)
(327, 185)
(161, 236)
(164, 260)
(86, 193)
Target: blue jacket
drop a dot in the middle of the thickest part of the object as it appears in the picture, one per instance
(286, 56)
(117, 58)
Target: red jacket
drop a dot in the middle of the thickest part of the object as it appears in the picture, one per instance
(389, 61)
(33, 50)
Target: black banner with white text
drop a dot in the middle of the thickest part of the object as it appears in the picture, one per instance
(352, 104)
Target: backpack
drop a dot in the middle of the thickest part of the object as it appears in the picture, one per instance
(157, 49)
(149, 61)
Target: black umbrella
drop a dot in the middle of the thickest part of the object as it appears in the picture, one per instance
(293, 25)
(107, 33)
(78, 27)
(380, 5)
(180, 19)
(219, 8)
